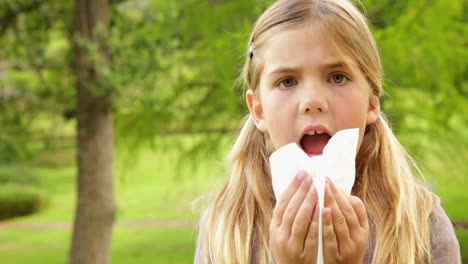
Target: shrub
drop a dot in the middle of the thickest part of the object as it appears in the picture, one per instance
(17, 174)
(19, 200)
(54, 158)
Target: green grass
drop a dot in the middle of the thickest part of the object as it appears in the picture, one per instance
(19, 246)
(154, 245)
(130, 245)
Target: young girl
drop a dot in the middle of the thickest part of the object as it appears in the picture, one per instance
(312, 70)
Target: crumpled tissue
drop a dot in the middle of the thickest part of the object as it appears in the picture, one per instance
(337, 162)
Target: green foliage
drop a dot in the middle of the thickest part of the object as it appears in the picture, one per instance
(19, 200)
(175, 70)
(173, 66)
(424, 52)
(12, 149)
(16, 174)
(35, 73)
(20, 193)
(62, 156)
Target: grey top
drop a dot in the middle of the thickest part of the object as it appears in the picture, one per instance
(444, 244)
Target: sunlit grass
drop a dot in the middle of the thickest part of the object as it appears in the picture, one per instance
(130, 245)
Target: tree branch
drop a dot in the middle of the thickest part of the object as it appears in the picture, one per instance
(30, 58)
(10, 15)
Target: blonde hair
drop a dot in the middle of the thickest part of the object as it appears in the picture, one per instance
(237, 224)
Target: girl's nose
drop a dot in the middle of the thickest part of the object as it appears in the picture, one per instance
(312, 101)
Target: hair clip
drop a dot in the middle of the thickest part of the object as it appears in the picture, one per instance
(250, 53)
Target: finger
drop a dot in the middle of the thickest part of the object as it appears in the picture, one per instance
(339, 222)
(294, 204)
(304, 217)
(330, 243)
(360, 210)
(311, 241)
(346, 208)
(283, 201)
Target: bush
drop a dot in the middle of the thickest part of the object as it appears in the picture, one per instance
(19, 200)
(19, 192)
(16, 174)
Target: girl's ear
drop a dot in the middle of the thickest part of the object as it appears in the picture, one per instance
(373, 112)
(256, 110)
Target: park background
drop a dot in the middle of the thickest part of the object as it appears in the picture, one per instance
(166, 71)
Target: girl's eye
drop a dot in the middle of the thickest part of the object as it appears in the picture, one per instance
(338, 78)
(287, 83)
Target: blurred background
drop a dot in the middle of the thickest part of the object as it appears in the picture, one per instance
(169, 70)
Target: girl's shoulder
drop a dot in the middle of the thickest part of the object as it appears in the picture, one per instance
(444, 243)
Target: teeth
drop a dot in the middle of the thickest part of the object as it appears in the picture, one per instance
(311, 133)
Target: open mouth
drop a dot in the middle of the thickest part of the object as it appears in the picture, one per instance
(314, 142)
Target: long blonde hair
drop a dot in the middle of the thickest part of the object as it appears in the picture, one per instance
(237, 223)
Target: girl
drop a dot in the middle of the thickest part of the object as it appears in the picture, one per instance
(312, 70)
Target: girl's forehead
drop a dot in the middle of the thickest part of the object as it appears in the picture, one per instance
(305, 46)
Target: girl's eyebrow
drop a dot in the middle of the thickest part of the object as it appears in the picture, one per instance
(326, 66)
(283, 70)
(337, 65)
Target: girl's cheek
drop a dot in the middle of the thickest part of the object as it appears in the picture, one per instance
(275, 96)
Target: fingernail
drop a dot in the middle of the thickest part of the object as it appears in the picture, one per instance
(301, 175)
(331, 186)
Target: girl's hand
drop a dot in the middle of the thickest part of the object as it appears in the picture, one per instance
(345, 227)
(293, 229)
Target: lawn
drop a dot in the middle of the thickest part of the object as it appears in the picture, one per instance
(130, 245)
(157, 185)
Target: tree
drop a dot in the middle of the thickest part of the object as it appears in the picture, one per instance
(94, 217)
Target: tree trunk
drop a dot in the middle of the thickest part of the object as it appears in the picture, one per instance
(95, 210)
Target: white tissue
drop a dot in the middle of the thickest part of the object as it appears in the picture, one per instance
(336, 163)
